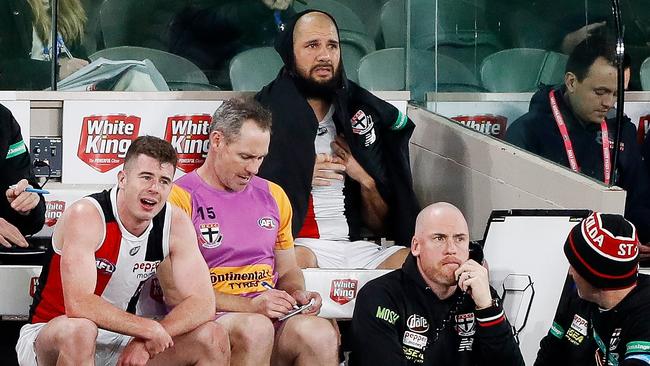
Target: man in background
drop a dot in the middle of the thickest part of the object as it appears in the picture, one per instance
(21, 213)
(568, 124)
(339, 152)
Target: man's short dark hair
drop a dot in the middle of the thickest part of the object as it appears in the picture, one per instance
(152, 147)
(586, 53)
(231, 115)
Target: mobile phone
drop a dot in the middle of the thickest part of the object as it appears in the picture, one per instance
(476, 251)
(296, 311)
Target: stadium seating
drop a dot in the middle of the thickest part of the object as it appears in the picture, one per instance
(252, 69)
(189, 86)
(368, 11)
(345, 17)
(393, 23)
(173, 68)
(384, 70)
(143, 23)
(354, 46)
(553, 69)
(645, 74)
(456, 28)
(521, 70)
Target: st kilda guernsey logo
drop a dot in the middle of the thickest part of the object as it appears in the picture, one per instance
(53, 211)
(343, 291)
(487, 124)
(189, 135)
(104, 140)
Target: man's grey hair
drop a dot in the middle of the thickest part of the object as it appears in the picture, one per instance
(231, 115)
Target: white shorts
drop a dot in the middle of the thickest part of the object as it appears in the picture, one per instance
(347, 254)
(107, 351)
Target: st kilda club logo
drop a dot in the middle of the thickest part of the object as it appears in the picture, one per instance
(487, 124)
(189, 135)
(105, 139)
(53, 211)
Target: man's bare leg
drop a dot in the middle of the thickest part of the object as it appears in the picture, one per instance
(66, 341)
(251, 338)
(306, 340)
(204, 346)
(396, 260)
(305, 257)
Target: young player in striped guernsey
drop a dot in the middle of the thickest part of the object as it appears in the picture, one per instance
(104, 248)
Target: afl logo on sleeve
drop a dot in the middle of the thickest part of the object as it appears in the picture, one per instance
(266, 223)
(104, 266)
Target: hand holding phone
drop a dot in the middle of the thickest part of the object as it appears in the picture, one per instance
(473, 279)
(296, 311)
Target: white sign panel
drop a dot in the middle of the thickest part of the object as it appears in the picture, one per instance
(20, 110)
(530, 246)
(338, 288)
(639, 113)
(59, 199)
(97, 134)
(491, 118)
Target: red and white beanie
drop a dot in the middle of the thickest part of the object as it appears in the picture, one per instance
(604, 250)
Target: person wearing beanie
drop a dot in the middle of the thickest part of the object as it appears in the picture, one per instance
(603, 317)
(339, 152)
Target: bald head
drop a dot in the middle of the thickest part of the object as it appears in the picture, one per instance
(310, 22)
(436, 212)
(441, 243)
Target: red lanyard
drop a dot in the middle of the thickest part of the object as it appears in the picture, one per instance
(607, 168)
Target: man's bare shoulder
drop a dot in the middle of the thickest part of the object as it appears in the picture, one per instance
(179, 217)
(82, 220)
(182, 229)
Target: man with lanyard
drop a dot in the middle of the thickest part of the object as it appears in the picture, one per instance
(567, 124)
(602, 319)
(339, 152)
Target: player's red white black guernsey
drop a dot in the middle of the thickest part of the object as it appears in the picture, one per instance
(124, 261)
